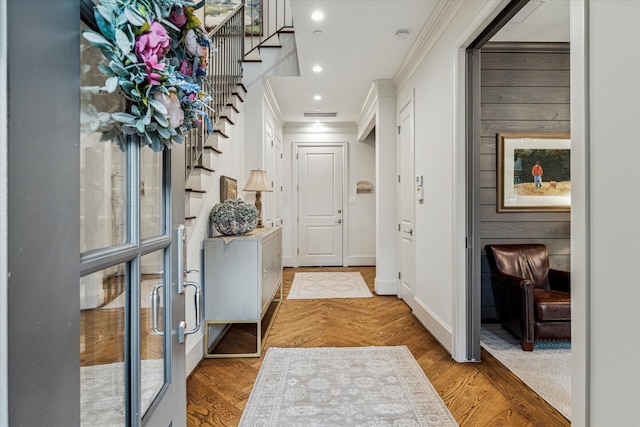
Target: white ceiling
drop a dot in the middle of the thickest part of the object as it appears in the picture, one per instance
(358, 45)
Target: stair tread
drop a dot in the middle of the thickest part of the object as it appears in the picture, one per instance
(242, 86)
(226, 118)
(190, 217)
(208, 147)
(194, 190)
(204, 168)
(233, 107)
(238, 95)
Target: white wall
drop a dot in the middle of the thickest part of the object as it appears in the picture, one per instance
(605, 230)
(360, 211)
(4, 398)
(434, 81)
(230, 164)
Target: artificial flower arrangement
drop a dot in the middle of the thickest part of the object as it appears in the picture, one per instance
(234, 217)
(157, 53)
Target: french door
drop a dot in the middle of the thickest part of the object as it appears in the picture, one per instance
(132, 369)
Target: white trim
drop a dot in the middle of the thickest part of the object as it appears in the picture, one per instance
(364, 260)
(580, 219)
(433, 323)
(345, 206)
(436, 24)
(4, 238)
(272, 102)
(194, 354)
(386, 287)
(366, 120)
(459, 297)
(326, 128)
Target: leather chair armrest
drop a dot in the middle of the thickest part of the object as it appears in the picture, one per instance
(560, 280)
(508, 280)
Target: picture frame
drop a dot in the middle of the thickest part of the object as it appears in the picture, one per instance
(216, 11)
(518, 189)
(228, 188)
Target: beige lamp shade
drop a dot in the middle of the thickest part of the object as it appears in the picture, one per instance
(257, 181)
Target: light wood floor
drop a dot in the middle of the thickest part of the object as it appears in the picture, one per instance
(477, 394)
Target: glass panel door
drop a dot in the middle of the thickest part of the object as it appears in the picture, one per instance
(132, 363)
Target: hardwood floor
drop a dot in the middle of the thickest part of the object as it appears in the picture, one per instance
(477, 394)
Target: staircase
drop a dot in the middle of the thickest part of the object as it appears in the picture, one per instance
(206, 151)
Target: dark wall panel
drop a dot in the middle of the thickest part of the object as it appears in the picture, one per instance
(524, 88)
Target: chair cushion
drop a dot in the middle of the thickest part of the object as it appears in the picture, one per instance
(552, 305)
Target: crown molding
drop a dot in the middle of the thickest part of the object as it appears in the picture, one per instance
(366, 119)
(272, 102)
(324, 127)
(438, 21)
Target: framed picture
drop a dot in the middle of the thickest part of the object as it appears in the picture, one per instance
(228, 188)
(216, 11)
(534, 172)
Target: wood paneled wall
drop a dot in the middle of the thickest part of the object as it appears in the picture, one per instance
(524, 88)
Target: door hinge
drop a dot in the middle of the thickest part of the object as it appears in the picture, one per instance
(297, 156)
(271, 184)
(298, 220)
(398, 227)
(398, 178)
(399, 275)
(280, 155)
(298, 251)
(398, 130)
(297, 188)
(468, 243)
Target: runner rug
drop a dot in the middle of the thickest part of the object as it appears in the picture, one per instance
(351, 386)
(328, 284)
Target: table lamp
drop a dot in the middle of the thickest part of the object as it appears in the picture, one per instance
(258, 183)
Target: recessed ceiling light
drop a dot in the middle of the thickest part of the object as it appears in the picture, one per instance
(317, 33)
(317, 97)
(317, 68)
(317, 16)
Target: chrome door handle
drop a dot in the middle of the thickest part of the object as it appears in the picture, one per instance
(182, 327)
(410, 232)
(155, 304)
(339, 221)
(180, 242)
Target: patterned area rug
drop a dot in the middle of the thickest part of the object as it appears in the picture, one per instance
(546, 369)
(328, 284)
(351, 386)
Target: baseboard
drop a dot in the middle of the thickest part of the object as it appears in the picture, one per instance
(357, 260)
(434, 324)
(195, 353)
(386, 287)
(287, 261)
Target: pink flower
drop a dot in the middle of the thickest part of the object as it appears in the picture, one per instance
(178, 17)
(153, 42)
(151, 65)
(185, 68)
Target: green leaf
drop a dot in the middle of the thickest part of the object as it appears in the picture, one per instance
(104, 23)
(123, 117)
(161, 119)
(129, 129)
(95, 38)
(118, 69)
(127, 86)
(133, 17)
(123, 41)
(140, 126)
(106, 70)
(164, 132)
(111, 84)
(158, 106)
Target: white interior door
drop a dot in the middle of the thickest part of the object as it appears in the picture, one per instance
(320, 193)
(407, 195)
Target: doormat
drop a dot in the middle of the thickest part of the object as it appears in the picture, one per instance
(328, 284)
(349, 386)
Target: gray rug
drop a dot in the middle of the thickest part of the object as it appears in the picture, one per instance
(352, 386)
(546, 369)
(328, 284)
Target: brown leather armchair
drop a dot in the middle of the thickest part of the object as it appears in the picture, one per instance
(533, 301)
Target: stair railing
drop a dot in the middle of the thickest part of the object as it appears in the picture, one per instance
(224, 72)
(266, 18)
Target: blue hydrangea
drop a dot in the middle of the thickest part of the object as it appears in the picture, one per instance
(234, 217)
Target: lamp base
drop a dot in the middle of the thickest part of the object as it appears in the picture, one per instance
(259, 207)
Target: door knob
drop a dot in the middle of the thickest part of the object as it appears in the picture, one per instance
(339, 221)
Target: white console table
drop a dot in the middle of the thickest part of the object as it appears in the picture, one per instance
(242, 284)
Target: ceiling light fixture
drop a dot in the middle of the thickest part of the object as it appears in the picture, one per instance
(317, 33)
(402, 34)
(317, 68)
(317, 16)
(317, 97)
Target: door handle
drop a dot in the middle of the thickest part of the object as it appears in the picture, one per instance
(155, 305)
(182, 327)
(410, 232)
(339, 221)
